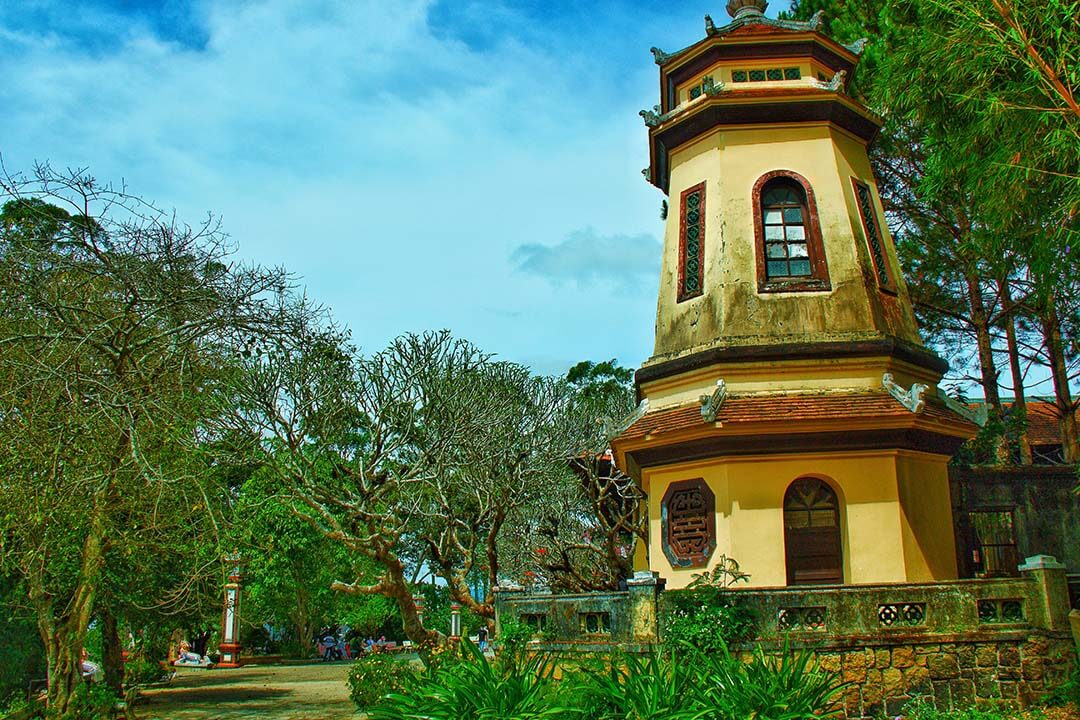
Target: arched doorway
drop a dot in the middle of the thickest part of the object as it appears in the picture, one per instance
(812, 534)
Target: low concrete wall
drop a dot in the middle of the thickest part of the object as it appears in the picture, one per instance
(961, 643)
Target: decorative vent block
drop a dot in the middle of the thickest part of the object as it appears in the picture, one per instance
(801, 619)
(902, 614)
(1001, 611)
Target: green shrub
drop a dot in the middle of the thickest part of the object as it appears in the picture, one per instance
(708, 618)
(92, 701)
(924, 710)
(786, 687)
(705, 686)
(1068, 691)
(141, 670)
(375, 675)
(656, 686)
(476, 688)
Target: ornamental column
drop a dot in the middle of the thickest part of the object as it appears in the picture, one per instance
(230, 616)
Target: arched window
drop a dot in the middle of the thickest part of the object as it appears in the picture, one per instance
(812, 546)
(788, 236)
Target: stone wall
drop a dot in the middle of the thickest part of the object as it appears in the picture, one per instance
(955, 644)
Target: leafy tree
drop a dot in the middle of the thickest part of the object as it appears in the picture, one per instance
(116, 325)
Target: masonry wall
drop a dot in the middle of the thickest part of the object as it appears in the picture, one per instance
(955, 644)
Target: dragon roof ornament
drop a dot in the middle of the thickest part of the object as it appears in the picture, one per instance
(612, 428)
(912, 399)
(711, 404)
(654, 118)
(978, 416)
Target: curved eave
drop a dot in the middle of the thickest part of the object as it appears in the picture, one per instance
(936, 431)
(755, 107)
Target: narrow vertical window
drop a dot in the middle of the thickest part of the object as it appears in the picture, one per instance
(692, 242)
(871, 230)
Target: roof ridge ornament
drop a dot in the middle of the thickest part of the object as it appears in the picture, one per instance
(710, 26)
(834, 85)
(659, 56)
(912, 399)
(858, 46)
(611, 428)
(711, 404)
(741, 8)
(976, 416)
(816, 20)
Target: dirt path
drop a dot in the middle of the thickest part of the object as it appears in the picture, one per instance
(271, 692)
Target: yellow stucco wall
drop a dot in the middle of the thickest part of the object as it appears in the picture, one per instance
(895, 525)
(731, 311)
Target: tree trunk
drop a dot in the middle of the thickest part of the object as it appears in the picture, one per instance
(980, 323)
(1060, 373)
(65, 638)
(112, 652)
(398, 590)
(1019, 400)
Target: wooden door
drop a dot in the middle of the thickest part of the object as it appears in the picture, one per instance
(812, 534)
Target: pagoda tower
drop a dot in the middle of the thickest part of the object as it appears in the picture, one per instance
(790, 414)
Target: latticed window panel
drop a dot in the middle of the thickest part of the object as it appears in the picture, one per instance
(766, 75)
(902, 614)
(872, 231)
(1010, 610)
(784, 214)
(688, 518)
(804, 619)
(692, 242)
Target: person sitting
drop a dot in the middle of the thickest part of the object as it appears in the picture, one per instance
(91, 671)
(187, 657)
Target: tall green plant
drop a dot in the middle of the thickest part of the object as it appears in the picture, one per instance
(789, 686)
(657, 686)
(478, 689)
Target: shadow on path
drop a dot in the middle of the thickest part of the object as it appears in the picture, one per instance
(304, 692)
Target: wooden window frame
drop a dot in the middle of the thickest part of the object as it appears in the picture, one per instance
(880, 264)
(682, 294)
(818, 280)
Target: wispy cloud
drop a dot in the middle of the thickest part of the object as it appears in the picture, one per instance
(586, 258)
(406, 159)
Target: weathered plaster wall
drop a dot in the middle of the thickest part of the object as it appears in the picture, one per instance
(1047, 509)
(884, 495)
(731, 311)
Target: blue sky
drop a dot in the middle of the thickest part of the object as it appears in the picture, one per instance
(420, 165)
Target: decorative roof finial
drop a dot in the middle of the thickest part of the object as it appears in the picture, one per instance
(742, 8)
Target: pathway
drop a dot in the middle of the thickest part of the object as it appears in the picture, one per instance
(314, 691)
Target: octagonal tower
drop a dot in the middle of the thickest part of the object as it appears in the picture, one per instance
(791, 417)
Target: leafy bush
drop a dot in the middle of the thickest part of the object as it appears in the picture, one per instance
(476, 688)
(924, 710)
(700, 686)
(705, 615)
(707, 618)
(374, 675)
(141, 670)
(92, 701)
(787, 687)
(652, 687)
(1068, 691)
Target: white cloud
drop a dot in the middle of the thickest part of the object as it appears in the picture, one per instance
(395, 165)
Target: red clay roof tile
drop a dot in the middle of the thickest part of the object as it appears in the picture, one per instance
(792, 408)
